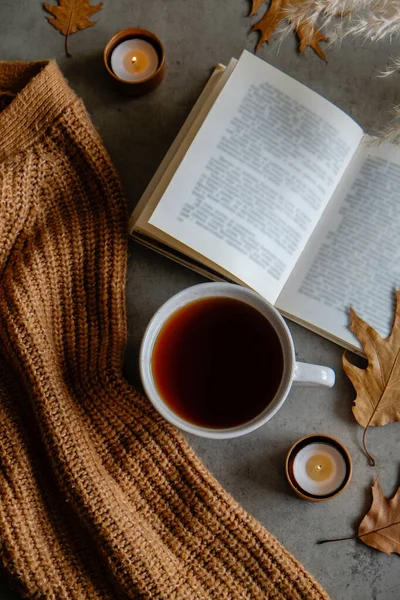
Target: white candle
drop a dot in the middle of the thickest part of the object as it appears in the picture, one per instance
(134, 60)
(319, 469)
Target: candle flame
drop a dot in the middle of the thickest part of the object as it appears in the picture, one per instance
(318, 467)
(134, 59)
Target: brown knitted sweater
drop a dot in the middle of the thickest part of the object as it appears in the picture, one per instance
(99, 496)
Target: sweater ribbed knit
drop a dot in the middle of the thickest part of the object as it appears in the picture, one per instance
(100, 498)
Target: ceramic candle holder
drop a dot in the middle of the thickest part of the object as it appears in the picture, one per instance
(318, 467)
(147, 84)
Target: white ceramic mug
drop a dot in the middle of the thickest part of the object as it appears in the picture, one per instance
(294, 373)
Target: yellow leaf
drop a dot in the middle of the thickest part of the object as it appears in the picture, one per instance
(380, 528)
(70, 16)
(378, 386)
(308, 34)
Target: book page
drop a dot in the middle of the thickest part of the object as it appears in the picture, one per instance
(353, 258)
(258, 175)
(179, 146)
(151, 236)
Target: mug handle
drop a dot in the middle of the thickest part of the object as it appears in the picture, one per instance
(313, 375)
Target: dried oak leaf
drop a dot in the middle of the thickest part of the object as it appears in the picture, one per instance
(380, 528)
(70, 16)
(308, 34)
(255, 6)
(378, 386)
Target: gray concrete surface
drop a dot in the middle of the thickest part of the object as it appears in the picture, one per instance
(137, 132)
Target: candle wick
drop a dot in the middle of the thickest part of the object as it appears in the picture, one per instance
(318, 467)
(134, 59)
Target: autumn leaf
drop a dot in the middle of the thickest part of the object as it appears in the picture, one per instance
(308, 34)
(70, 16)
(378, 386)
(255, 6)
(380, 528)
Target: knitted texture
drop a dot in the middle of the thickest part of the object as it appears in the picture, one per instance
(99, 496)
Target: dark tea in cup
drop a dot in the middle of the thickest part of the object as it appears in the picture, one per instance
(217, 362)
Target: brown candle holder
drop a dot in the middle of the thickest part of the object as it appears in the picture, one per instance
(136, 88)
(311, 439)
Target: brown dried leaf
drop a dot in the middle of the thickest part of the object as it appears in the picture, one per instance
(380, 528)
(378, 386)
(308, 34)
(255, 6)
(311, 36)
(71, 16)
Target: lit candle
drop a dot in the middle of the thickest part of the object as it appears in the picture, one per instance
(318, 467)
(134, 60)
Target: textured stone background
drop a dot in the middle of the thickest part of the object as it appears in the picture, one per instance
(137, 132)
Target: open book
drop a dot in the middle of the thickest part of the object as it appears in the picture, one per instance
(271, 186)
